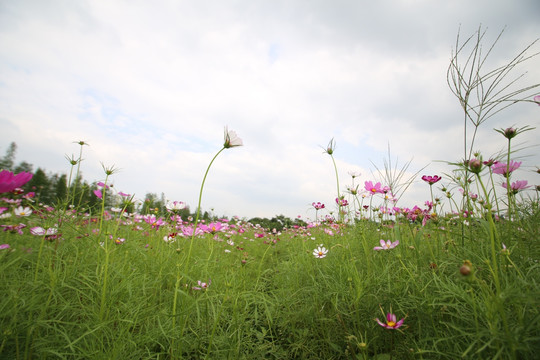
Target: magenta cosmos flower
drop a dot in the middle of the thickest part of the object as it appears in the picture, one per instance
(386, 245)
(391, 322)
(431, 179)
(318, 205)
(516, 186)
(501, 168)
(10, 181)
(342, 202)
(373, 189)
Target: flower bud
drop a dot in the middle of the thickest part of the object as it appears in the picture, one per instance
(510, 132)
(475, 165)
(466, 268)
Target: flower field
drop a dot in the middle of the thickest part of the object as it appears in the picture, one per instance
(107, 283)
(454, 277)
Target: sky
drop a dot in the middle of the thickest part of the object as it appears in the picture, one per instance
(150, 86)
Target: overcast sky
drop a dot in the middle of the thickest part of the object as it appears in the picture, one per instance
(150, 85)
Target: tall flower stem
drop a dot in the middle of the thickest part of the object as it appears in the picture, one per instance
(337, 176)
(106, 246)
(196, 223)
(508, 187)
(330, 151)
(231, 140)
(186, 268)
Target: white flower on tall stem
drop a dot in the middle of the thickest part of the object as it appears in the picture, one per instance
(320, 252)
(175, 205)
(231, 139)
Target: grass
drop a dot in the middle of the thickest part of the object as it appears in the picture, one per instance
(270, 298)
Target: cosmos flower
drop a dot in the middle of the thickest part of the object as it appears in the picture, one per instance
(318, 205)
(231, 139)
(320, 252)
(10, 181)
(516, 186)
(391, 321)
(202, 285)
(38, 230)
(175, 205)
(98, 194)
(431, 179)
(501, 168)
(373, 189)
(20, 211)
(386, 245)
(342, 202)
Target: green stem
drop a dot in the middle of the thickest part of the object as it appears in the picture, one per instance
(338, 193)
(178, 274)
(492, 235)
(106, 265)
(508, 192)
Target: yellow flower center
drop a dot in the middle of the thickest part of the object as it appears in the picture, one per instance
(391, 323)
(321, 253)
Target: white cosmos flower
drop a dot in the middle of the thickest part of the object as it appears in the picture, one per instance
(175, 205)
(320, 252)
(38, 230)
(231, 139)
(20, 211)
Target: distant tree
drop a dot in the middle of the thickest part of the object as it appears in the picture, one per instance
(278, 222)
(23, 166)
(8, 161)
(60, 187)
(39, 184)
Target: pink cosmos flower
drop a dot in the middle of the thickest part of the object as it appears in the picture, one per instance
(4, 246)
(373, 189)
(386, 245)
(501, 168)
(187, 231)
(391, 322)
(537, 99)
(98, 194)
(202, 285)
(342, 202)
(318, 205)
(153, 221)
(431, 179)
(102, 185)
(214, 227)
(9, 181)
(517, 186)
